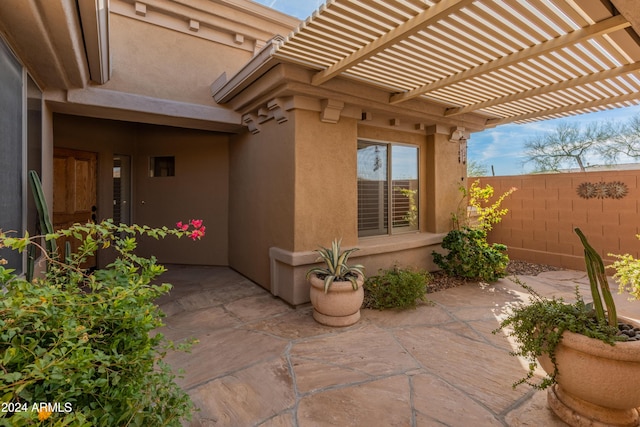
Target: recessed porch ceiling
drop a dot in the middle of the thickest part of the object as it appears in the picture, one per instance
(509, 60)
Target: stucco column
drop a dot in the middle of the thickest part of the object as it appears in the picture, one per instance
(445, 175)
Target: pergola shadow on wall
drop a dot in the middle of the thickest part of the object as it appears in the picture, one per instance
(546, 209)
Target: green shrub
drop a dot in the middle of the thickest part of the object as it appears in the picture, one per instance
(627, 273)
(537, 329)
(470, 256)
(395, 288)
(81, 343)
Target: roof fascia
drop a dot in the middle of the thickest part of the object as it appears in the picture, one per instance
(286, 80)
(223, 91)
(116, 105)
(47, 39)
(255, 9)
(94, 16)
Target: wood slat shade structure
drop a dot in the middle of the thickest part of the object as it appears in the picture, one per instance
(513, 61)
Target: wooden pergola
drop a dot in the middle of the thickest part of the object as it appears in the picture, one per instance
(511, 61)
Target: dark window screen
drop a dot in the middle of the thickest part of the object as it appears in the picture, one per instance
(10, 150)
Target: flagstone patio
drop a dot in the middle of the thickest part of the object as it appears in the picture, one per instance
(260, 362)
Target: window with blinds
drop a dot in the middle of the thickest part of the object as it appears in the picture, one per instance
(387, 188)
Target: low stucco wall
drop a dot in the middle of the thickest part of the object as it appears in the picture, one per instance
(412, 250)
(546, 208)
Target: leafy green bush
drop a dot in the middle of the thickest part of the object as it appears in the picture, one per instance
(470, 256)
(395, 288)
(549, 318)
(77, 347)
(478, 198)
(627, 273)
(488, 215)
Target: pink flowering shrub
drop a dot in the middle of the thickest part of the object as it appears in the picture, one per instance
(88, 338)
(198, 230)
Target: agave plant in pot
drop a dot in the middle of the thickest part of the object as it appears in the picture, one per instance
(336, 288)
(591, 355)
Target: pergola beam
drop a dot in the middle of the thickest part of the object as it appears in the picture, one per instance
(543, 90)
(609, 25)
(431, 15)
(564, 109)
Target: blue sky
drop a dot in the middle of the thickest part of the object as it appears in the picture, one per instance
(301, 9)
(502, 146)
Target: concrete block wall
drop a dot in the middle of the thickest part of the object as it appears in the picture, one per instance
(546, 209)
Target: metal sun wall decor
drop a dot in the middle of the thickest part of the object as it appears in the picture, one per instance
(602, 190)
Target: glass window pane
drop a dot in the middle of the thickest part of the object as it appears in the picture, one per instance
(372, 189)
(404, 184)
(121, 189)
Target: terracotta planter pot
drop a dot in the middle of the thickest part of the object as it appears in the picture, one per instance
(597, 384)
(340, 306)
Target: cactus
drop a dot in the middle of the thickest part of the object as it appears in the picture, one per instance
(599, 284)
(45, 223)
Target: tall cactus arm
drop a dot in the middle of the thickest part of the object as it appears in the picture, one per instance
(599, 283)
(593, 281)
(43, 212)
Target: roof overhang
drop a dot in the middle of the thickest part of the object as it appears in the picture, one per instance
(505, 60)
(94, 15)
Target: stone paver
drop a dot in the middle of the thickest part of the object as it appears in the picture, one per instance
(260, 362)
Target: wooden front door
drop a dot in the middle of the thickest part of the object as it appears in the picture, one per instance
(74, 190)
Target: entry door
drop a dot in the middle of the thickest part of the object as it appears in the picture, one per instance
(74, 190)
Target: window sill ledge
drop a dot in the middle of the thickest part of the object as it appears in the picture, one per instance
(399, 242)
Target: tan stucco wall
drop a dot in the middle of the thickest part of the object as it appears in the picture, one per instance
(198, 191)
(326, 198)
(261, 189)
(157, 62)
(445, 174)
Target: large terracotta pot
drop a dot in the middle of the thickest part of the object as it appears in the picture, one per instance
(597, 384)
(340, 306)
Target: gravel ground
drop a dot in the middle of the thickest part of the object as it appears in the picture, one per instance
(521, 268)
(524, 268)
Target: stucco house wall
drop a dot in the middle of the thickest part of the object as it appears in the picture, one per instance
(151, 61)
(198, 191)
(325, 193)
(261, 203)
